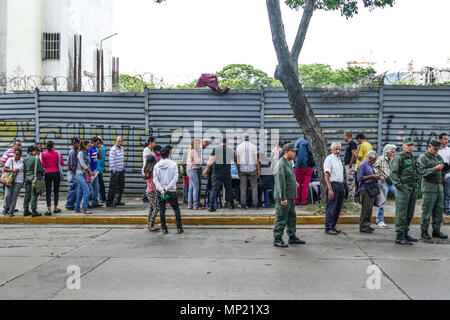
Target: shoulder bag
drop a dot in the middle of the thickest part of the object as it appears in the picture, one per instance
(37, 184)
(373, 189)
(8, 178)
(60, 168)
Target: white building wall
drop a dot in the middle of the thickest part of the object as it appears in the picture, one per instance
(23, 37)
(22, 23)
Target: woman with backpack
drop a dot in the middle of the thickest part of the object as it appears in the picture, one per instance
(52, 161)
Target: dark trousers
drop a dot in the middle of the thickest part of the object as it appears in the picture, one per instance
(173, 200)
(334, 206)
(55, 179)
(101, 185)
(217, 179)
(116, 186)
(366, 211)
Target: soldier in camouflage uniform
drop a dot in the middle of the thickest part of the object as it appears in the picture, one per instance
(433, 170)
(284, 194)
(404, 174)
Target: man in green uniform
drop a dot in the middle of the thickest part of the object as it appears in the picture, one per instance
(284, 194)
(433, 170)
(30, 193)
(404, 174)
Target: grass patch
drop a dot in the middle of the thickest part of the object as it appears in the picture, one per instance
(347, 209)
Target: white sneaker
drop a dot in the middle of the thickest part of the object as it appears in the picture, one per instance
(382, 225)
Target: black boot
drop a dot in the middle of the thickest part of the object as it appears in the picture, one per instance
(409, 238)
(295, 240)
(180, 230)
(164, 230)
(425, 235)
(26, 213)
(401, 239)
(34, 213)
(439, 234)
(280, 243)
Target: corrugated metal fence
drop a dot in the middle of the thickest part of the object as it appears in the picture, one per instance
(384, 115)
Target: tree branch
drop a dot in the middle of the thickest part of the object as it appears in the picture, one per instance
(278, 33)
(302, 29)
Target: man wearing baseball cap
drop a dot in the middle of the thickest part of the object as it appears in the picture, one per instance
(404, 175)
(433, 170)
(284, 194)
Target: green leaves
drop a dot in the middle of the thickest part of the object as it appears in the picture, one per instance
(348, 8)
(320, 75)
(244, 76)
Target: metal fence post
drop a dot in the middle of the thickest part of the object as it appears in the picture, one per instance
(380, 118)
(261, 111)
(36, 115)
(146, 112)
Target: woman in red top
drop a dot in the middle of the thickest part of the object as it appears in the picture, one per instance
(50, 160)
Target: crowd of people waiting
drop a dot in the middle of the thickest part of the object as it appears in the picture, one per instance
(363, 176)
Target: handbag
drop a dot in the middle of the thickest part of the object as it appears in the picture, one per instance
(60, 168)
(37, 184)
(8, 178)
(87, 177)
(373, 189)
(310, 161)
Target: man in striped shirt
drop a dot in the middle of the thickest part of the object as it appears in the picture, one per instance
(117, 180)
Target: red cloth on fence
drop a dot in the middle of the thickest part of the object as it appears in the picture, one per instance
(210, 80)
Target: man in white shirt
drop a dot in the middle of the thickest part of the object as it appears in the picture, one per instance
(444, 152)
(248, 169)
(334, 176)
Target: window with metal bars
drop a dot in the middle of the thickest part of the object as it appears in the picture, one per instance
(51, 46)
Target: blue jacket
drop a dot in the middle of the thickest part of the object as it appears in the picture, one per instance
(301, 160)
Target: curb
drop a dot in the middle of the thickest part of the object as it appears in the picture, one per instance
(189, 220)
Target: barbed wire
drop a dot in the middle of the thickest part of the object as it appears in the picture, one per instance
(137, 82)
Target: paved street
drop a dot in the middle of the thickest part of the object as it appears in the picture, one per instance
(126, 262)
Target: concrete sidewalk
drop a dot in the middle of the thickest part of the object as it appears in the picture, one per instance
(135, 212)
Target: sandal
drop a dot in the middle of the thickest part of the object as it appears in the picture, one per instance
(86, 212)
(190, 207)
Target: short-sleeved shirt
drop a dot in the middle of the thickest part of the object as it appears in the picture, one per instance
(13, 165)
(348, 152)
(7, 155)
(445, 154)
(246, 152)
(93, 156)
(363, 150)
(333, 166)
(224, 157)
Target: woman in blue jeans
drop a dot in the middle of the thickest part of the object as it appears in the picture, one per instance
(83, 167)
(194, 164)
(382, 167)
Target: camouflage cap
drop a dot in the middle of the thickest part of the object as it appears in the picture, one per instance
(408, 141)
(436, 144)
(289, 147)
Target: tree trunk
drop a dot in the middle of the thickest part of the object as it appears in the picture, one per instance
(287, 65)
